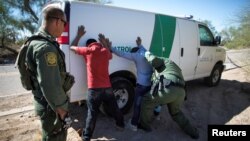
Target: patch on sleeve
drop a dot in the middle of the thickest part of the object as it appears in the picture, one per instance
(51, 59)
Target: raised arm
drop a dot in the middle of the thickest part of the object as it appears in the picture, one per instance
(105, 41)
(138, 41)
(80, 32)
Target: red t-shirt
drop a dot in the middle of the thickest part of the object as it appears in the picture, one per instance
(97, 61)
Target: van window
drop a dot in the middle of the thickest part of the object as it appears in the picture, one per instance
(206, 37)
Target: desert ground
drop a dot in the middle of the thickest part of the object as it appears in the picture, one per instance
(228, 103)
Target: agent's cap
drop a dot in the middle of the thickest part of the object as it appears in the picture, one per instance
(154, 60)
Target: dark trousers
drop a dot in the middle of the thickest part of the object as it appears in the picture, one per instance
(95, 98)
(140, 91)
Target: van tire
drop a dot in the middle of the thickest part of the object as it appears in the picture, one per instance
(215, 76)
(124, 94)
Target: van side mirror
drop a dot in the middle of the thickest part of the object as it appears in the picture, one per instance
(217, 40)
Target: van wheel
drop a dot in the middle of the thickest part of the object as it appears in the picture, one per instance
(215, 76)
(124, 94)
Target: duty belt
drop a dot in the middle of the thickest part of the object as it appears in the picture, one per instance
(165, 83)
(168, 82)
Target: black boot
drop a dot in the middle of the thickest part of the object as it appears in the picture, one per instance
(191, 131)
(185, 125)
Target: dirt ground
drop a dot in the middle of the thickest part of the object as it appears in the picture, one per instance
(228, 103)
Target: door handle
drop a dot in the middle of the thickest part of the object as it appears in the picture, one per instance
(182, 51)
(199, 51)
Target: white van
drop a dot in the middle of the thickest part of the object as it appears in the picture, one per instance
(189, 43)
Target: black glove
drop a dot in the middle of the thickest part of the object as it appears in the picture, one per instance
(69, 82)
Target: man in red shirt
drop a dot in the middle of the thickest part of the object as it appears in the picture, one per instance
(97, 58)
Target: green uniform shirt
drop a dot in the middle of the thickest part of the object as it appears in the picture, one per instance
(171, 71)
(48, 66)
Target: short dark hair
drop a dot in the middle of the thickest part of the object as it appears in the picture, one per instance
(52, 11)
(89, 41)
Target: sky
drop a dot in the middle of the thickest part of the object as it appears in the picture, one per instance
(219, 12)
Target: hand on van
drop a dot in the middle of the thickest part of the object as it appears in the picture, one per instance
(105, 41)
(80, 32)
(138, 41)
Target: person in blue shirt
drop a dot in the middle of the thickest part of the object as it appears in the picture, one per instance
(144, 73)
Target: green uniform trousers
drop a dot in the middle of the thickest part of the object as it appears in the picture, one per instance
(173, 97)
(51, 124)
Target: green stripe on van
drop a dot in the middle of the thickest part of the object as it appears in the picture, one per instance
(163, 36)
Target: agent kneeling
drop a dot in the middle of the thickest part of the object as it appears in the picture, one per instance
(168, 89)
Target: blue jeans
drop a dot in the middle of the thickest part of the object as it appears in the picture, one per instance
(140, 91)
(95, 98)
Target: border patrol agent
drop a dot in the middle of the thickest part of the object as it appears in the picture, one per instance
(168, 89)
(49, 76)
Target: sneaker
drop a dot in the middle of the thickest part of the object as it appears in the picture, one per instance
(131, 126)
